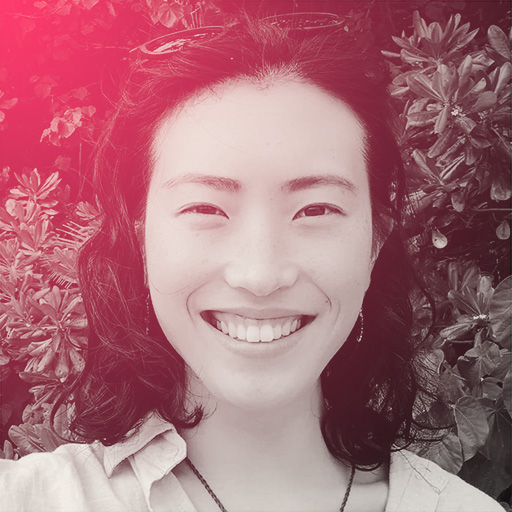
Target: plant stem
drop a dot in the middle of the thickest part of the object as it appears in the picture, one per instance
(493, 210)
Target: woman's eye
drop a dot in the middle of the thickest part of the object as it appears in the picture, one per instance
(204, 209)
(318, 210)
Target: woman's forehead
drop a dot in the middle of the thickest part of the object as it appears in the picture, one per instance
(289, 122)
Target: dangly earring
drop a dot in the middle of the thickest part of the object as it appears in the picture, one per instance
(361, 319)
(327, 405)
(146, 319)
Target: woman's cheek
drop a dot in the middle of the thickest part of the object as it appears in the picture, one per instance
(176, 258)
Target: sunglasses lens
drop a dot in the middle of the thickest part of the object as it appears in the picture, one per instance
(296, 23)
(305, 21)
(176, 41)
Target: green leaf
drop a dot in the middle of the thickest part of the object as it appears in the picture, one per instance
(450, 154)
(450, 27)
(500, 371)
(420, 26)
(458, 200)
(464, 73)
(503, 230)
(446, 81)
(465, 301)
(421, 119)
(472, 426)
(438, 239)
(503, 77)
(470, 276)
(442, 121)
(49, 440)
(451, 170)
(452, 385)
(25, 439)
(463, 41)
(500, 189)
(500, 313)
(498, 447)
(486, 476)
(484, 292)
(479, 142)
(458, 331)
(475, 91)
(499, 41)
(444, 140)
(447, 453)
(507, 392)
(421, 162)
(478, 362)
(422, 86)
(484, 102)
(435, 32)
(490, 387)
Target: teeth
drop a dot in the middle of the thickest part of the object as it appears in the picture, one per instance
(254, 330)
(240, 332)
(253, 334)
(266, 333)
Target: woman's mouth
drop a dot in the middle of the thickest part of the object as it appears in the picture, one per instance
(254, 330)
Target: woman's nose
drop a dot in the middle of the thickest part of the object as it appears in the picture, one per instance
(260, 262)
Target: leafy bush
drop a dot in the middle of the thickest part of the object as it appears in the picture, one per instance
(452, 86)
(42, 318)
(455, 133)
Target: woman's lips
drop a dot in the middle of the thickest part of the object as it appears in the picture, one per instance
(254, 330)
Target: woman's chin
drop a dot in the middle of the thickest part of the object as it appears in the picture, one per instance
(273, 396)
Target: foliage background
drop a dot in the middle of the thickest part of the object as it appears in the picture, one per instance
(451, 64)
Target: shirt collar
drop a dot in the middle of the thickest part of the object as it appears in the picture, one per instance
(154, 456)
(414, 480)
(152, 427)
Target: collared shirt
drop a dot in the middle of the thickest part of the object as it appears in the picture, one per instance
(137, 476)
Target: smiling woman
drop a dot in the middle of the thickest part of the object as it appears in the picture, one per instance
(254, 248)
(252, 196)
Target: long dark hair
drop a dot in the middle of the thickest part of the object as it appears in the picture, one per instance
(131, 369)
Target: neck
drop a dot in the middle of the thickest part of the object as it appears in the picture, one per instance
(268, 460)
(262, 441)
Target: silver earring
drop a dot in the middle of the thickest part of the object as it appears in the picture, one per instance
(146, 319)
(360, 337)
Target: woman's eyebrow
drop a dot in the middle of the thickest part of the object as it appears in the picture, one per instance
(318, 180)
(216, 182)
(231, 185)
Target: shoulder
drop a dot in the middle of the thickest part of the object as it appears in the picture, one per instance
(50, 481)
(42, 465)
(65, 460)
(419, 485)
(92, 477)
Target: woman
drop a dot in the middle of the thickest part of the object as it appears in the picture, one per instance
(248, 292)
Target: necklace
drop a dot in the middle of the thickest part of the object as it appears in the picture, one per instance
(202, 479)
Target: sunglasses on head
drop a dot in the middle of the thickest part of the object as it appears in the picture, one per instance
(293, 23)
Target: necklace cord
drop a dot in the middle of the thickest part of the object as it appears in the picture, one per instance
(223, 508)
(205, 484)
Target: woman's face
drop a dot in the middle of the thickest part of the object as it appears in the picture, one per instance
(258, 237)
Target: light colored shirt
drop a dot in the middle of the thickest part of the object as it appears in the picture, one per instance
(136, 476)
